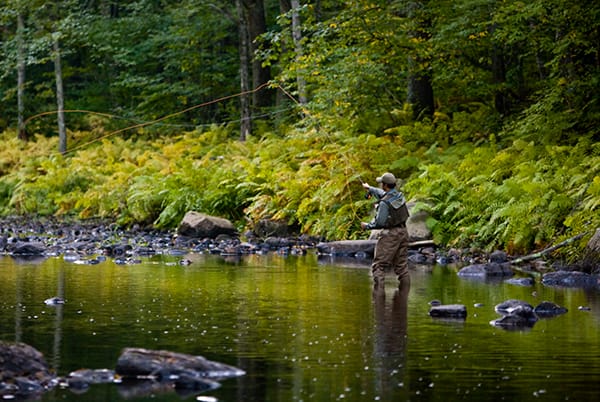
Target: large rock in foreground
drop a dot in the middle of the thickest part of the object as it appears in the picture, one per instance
(24, 372)
(196, 224)
(137, 363)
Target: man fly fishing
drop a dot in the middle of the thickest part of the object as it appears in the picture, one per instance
(391, 251)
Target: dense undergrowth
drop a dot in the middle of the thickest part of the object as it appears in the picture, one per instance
(518, 195)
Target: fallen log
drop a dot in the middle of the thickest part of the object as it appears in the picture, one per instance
(548, 250)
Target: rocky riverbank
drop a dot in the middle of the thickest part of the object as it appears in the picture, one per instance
(89, 242)
(25, 374)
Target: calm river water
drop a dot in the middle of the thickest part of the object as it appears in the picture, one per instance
(303, 329)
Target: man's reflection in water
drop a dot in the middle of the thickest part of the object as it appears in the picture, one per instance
(391, 339)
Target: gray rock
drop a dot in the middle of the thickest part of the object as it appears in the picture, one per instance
(514, 321)
(521, 281)
(512, 306)
(548, 309)
(517, 314)
(448, 311)
(416, 225)
(142, 363)
(23, 371)
(198, 225)
(269, 227)
(498, 257)
(83, 378)
(417, 258)
(347, 248)
(486, 270)
(27, 249)
(570, 279)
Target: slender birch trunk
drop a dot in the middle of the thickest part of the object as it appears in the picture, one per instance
(60, 99)
(245, 116)
(297, 37)
(22, 134)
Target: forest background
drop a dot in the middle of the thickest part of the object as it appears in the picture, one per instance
(141, 110)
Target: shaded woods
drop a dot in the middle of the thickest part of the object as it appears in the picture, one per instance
(134, 111)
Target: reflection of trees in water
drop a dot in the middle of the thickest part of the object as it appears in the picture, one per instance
(390, 340)
(58, 320)
(18, 307)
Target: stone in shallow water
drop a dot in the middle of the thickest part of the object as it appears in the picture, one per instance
(521, 281)
(514, 321)
(512, 306)
(548, 309)
(140, 363)
(518, 314)
(448, 311)
(23, 371)
(483, 271)
(571, 279)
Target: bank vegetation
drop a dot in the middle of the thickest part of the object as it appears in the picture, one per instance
(487, 111)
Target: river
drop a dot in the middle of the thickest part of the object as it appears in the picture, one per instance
(303, 329)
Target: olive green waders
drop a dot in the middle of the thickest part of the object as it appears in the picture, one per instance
(391, 252)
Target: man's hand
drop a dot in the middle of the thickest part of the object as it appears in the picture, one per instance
(363, 225)
(366, 186)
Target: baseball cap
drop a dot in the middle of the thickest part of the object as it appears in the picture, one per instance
(387, 178)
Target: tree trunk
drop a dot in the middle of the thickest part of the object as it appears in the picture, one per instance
(22, 134)
(60, 99)
(501, 101)
(420, 93)
(245, 116)
(257, 25)
(297, 36)
(420, 88)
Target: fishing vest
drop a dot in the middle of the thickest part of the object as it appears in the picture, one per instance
(397, 210)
